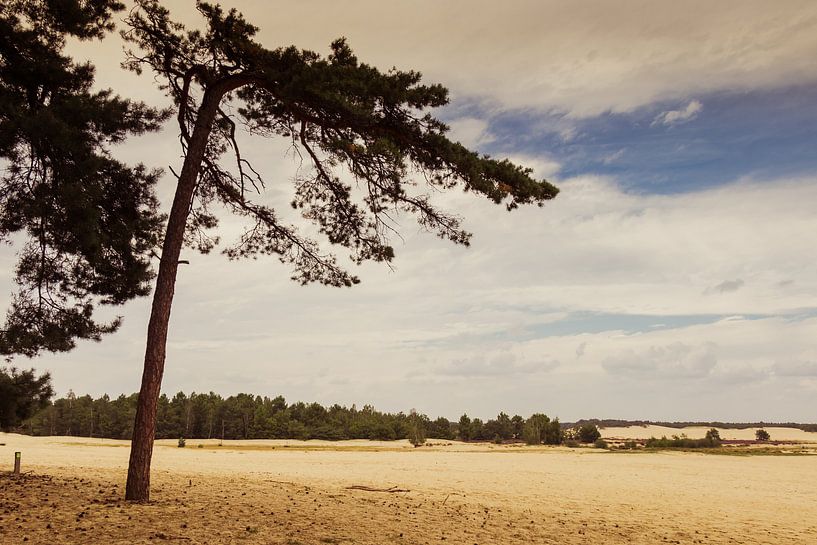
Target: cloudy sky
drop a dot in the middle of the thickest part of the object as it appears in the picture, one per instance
(675, 276)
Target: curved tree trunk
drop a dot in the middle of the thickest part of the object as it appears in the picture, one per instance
(144, 429)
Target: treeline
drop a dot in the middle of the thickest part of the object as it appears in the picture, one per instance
(613, 423)
(244, 416)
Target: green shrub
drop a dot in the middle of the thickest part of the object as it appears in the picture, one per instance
(714, 436)
(588, 433)
(541, 429)
(531, 433)
(416, 436)
(181, 442)
(682, 442)
(553, 434)
(416, 431)
(600, 443)
(762, 435)
(572, 443)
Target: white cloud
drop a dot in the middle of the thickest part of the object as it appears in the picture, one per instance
(495, 310)
(727, 286)
(547, 55)
(597, 248)
(676, 117)
(450, 312)
(580, 349)
(673, 361)
(503, 364)
(613, 157)
(419, 336)
(471, 132)
(796, 369)
(543, 166)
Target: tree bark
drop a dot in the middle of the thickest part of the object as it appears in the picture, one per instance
(138, 484)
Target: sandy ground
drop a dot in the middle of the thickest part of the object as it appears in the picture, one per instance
(296, 493)
(746, 434)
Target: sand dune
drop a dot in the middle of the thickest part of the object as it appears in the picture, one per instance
(296, 493)
(695, 432)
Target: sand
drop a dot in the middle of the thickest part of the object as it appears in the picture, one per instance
(296, 493)
(696, 432)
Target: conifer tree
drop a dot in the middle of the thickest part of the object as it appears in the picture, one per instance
(91, 223)
(86, 223)
(464, 428)
(416, 429)
(22, 393)
(336, 112)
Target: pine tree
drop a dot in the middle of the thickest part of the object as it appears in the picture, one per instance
(416, 429)
(92, 223)
(89, 223)
(464, 428)
(336, 112)
(22, 394)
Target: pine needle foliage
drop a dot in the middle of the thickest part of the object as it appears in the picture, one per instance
(339, 115)
(22, 394)
(86, 223)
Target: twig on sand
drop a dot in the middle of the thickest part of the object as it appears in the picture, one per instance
(280, 482)
(370, 489)
(452, 494)
(161, 535)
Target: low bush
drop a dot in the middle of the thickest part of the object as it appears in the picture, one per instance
(713, 435)
(683, 442)
(600, 443)
(588, 433)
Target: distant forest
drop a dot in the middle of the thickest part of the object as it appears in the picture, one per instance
(246, 416)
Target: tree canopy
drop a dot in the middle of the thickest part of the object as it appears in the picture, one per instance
(86, 223)
(588, 433)
(22, 394)
(249, 416)
(336, 112)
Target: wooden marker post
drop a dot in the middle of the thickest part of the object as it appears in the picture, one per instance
(17, 456)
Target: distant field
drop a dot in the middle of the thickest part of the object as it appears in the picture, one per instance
(297, 493)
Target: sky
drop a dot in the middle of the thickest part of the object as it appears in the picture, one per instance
(673, 278)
